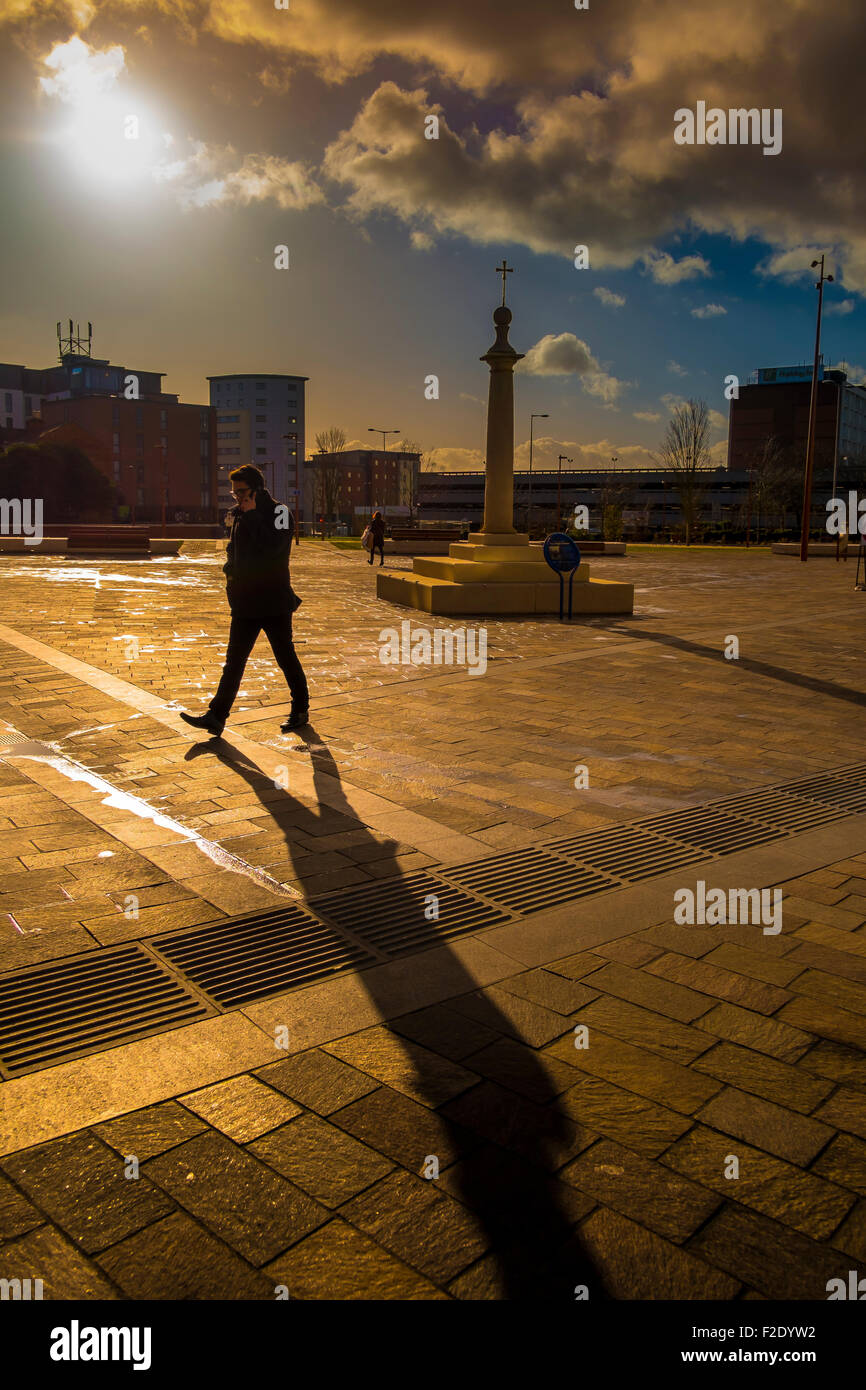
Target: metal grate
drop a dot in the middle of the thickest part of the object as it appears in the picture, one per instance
(630, 854)
(772, 807)
(529, 880)
(711, 829)
(845, 788)
(395, 915)
(260, 953)
(87, 1004)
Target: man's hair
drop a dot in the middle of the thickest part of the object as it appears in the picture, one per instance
(249, 475)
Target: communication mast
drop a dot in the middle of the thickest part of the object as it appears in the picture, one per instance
(73, 344)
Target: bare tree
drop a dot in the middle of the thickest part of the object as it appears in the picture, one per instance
(332, 440)
(614, 493)
(685, 451)
(327, 488)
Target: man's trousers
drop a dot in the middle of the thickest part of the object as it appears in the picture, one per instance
(242, 638)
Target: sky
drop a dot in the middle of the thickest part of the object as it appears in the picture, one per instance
(155, 156)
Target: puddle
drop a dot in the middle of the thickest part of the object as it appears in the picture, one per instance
(13, 747)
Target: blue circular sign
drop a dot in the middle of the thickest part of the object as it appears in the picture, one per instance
(561, 553)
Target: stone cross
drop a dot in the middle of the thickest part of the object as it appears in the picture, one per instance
(504, 270)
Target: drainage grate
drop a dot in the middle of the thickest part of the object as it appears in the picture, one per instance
(86, 1004)
(845, 788)
(777, 808)
(260, 953)
(529, 880)
(710, 828)
(630, 854)
(391, 914)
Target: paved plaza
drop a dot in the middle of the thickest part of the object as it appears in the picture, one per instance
(397, 1007)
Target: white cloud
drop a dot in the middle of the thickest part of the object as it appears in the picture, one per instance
(666, 271)
(608, 297)
(448, 460)
(790, 264)
(671, 401)
(709, 311)
(649, 416)
(856, 373)
(81, 74)
(562, 354)
(717, 420)
(675, 368)
(839, 307)
(212, 174)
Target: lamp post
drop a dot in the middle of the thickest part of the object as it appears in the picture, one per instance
(813, 411)
(559, 489)
(537, 416)
(293, 434)
(372, 430)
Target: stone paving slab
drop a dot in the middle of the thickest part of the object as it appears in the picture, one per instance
(433, 1130)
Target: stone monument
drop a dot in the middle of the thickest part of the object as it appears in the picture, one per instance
(497, 570)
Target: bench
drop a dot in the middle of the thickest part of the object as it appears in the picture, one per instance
(108, 540)
(420, 540)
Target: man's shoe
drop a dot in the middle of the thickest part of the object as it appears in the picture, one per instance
(296, 720)
(205, 721)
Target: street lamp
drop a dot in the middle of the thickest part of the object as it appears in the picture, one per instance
(297, 488)
(559, 489)
(371, 430)
(537, 416)
(813, 411)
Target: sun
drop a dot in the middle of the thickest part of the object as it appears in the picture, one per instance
(111, 137)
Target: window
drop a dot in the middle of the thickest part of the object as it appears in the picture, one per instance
(228, 434)
(139, 417)
(261, 451)
(115, 415)
(261, 434)
(163, 442)
(261, 419)
(139, 496)
(229, 419)
(28, 405)
(260, 386)
(205, 422)
(163, 420)
(116, 441)
(139, 444)
(8, 402)
(204, 448)
(260, 401)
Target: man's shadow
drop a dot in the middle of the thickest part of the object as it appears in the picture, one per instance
(508, 1148)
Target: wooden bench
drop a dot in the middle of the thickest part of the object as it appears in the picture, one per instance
(108, 540)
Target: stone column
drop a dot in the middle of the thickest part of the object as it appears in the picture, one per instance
(498, 523)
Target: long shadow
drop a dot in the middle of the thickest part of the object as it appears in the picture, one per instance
(507, 1148)
(748, 663)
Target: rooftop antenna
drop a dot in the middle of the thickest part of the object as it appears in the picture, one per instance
(73, 344)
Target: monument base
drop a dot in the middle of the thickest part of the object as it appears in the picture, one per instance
(498, 575)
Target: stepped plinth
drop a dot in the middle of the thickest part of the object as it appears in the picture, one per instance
(498, 570)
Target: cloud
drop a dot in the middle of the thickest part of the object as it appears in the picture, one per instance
(583, 118)
(666, 271)
(789, 265)
(717, 420)
(708, 311)
(839, 307)
(856, 373)
(650, 416)
(562, 354)
(546, 450)
(608, 297)
(448, 460)
(211, 174)
(81, 73)
(675, 368)
(671, 401)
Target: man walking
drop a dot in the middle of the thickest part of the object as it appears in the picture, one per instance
(261, 599)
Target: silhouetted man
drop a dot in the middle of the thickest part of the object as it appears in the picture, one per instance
(260, 597)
